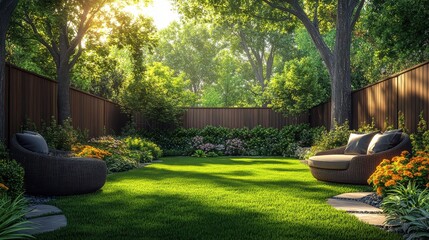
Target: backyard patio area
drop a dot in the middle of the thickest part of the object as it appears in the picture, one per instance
(213, 198)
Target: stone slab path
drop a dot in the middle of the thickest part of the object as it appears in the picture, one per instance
(44, 218)
(349, 202)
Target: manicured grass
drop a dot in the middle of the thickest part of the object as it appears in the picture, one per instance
(213, 198)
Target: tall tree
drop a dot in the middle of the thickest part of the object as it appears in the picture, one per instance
(190, 49)
(260, 48)
(6, 9)
(336, 59)
(60, 26)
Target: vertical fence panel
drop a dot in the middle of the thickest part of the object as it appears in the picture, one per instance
(34, 97)
(407, 91)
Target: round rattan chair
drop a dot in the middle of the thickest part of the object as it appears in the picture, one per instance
(46, 174)
(361, 166)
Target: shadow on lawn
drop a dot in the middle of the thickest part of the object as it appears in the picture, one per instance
(185, 161)
(293, 183)
(122, 215)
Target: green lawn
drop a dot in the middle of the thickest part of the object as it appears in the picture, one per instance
(213, 198)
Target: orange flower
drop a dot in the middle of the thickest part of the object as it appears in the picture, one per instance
(427, 185)
(418, 174)
(408, 174)
(4, 187)
(390, 183)
(396, 177)
(380, 191)
(421, 168)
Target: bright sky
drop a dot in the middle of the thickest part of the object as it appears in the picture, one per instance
(162, 13)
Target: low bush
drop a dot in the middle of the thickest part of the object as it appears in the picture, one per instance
(143, 145)
(257, 141)
(407, 209)
(122, 154)
(120, 163)
(234, 147)
(12, 177)
(90, 152)
(400, 170)
(336, 137)
(199, 153)
(12, 219)
(61, 137)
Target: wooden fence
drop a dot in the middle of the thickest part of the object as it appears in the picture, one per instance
(238, 118)
(30, 96)
(407, 92)
(34, 97)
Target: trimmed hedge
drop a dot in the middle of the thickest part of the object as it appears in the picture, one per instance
(258, 141)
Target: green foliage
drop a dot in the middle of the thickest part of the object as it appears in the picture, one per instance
(143, 145)
(418, 138)
(126, 153)
(258, 141)
(121, 163)
(368, 127)
(304, 81)
(212, 154)
(159, 96)
(190, 49)
(61, 137)
(64, 136)
(4, 154)
(12, 219)
(299, 88)
(401, 122)
(199, 154)
(407, 209)
(336, 137)
(11, 175)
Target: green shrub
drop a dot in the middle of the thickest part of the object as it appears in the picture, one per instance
(212, 154)
(336, 137)
(12, 221)
(407, 209)
(257, 141)
(418, 138)
(368, 127)
(143, 145)
(126, 153)
(4, 154)
(199, 154)
(12, 175)
(61, 137)
(120, 163)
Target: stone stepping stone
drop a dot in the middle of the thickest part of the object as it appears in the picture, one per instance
(353, 206)
(353, 196)
(373, 219)
(46, 224)
(41, 210)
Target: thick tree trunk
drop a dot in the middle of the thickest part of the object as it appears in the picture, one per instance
(63, 74)
(6, 9)
(341, 83)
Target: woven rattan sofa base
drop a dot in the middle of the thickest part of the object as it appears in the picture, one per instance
(56, 176)
(361, 166)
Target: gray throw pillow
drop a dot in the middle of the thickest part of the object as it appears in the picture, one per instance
(383, 142)
(33, 142)
(358, 143)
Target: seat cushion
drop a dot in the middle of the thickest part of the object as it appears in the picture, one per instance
(383, 142)
(335, 161)
(33, 142)
(358, 143)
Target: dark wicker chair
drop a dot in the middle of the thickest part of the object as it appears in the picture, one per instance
(55, 175)
(361, 166)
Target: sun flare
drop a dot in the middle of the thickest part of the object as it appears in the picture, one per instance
(161, 11)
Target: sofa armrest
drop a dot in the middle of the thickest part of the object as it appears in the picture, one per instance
(339, 150)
